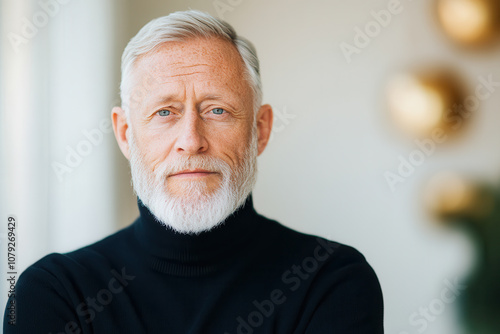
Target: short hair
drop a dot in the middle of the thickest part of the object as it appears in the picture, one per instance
(181, 26)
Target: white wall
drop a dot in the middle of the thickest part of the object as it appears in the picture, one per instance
(81, 93)
(57, 85)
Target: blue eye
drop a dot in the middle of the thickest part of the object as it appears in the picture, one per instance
(218, 111)
(164, 112)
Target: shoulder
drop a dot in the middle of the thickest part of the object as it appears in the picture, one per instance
(55, 267)
(48, 293)
(339, 268)
(335, 282)
(304, 245)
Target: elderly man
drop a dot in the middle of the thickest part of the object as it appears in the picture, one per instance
(199, 259)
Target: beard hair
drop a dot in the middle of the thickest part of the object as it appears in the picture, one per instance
(196, 210)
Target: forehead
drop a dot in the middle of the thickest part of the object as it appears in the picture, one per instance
(203, 60)
(211, 49)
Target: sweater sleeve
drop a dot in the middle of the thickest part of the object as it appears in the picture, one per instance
(41, 305)
(355, 298)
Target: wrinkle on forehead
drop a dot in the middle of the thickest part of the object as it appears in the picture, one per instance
(219, 53)
(194, 61)
(184, 74)
(188, 66)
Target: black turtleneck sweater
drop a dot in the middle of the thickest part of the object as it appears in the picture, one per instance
(249, 275)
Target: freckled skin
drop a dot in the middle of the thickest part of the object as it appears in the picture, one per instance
(190, 79)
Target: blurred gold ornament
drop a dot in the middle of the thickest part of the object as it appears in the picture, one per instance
(469, 22)
(449, 196)
(423, 101)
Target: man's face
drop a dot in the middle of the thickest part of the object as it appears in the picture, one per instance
(195, 112)
(197, 103)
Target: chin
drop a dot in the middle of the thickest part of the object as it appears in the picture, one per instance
(191, 193)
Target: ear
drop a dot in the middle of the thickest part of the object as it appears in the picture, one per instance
(120, 127)
(264, 126)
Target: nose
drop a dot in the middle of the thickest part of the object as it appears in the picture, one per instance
(191, 138)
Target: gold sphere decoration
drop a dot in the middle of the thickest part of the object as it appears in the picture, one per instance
(450, 196)
(469, 22)
(422, 101)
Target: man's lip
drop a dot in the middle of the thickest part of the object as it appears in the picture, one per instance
(194, 171)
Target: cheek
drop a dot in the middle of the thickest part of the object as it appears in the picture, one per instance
(231, 144)
(155, 150)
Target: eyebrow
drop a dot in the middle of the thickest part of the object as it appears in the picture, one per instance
(169, 98)
(217, 98)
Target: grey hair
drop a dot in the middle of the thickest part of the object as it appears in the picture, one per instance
(180, 26)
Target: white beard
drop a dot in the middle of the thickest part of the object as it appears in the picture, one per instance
(197, 210)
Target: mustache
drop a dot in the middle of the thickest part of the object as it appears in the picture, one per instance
(206, 162)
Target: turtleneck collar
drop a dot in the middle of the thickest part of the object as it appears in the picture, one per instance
(195, 254)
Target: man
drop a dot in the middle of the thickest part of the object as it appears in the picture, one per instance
(199, 259)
